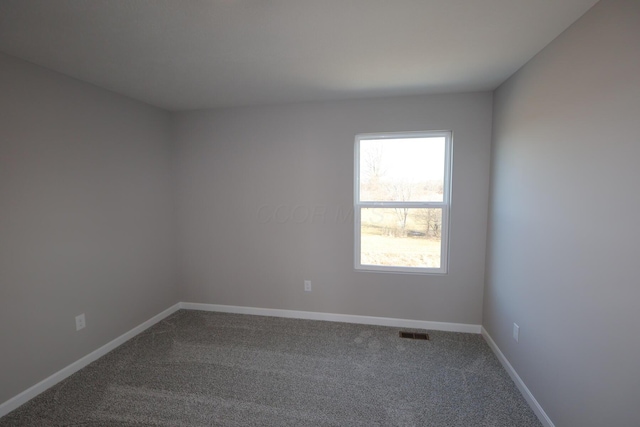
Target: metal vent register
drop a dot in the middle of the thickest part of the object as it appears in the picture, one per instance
(414, 335)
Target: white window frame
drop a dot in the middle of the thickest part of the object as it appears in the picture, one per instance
(445, 204)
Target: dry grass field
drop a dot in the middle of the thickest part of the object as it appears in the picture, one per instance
(384, 242)
(400, 251)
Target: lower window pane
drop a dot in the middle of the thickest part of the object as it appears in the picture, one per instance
(401, 237)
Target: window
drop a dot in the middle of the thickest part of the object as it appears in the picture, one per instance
(402, 193)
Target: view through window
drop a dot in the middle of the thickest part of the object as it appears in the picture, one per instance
(402, 191)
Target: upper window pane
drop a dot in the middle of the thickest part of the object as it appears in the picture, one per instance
(402, 170)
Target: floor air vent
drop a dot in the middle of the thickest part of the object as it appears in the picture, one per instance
(414, 335)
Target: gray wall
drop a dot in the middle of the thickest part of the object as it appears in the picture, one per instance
(237, 166)
(86, 220)
(564, 230)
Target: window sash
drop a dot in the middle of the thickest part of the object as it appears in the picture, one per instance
(444, 248)
(444, 205)
(413, 205)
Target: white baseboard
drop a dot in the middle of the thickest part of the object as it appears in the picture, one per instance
(43, 385)
(533, 403)
(332, 317)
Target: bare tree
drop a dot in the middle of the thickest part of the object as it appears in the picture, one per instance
(372, 156)
(432, 219)
(401, 192)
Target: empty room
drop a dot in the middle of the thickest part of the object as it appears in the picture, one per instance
(319, 213)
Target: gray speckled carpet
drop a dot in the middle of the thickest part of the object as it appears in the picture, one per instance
(211, 369)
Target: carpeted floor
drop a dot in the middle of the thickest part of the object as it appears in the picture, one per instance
(211, 369)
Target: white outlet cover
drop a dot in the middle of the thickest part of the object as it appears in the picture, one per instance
(307, 285)
(516, 332)
(80, 322)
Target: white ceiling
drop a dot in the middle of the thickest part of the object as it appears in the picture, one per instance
(191, 54)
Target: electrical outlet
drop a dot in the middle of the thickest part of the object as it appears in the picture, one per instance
(307, 285)
(80, 322)
(516, 332)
